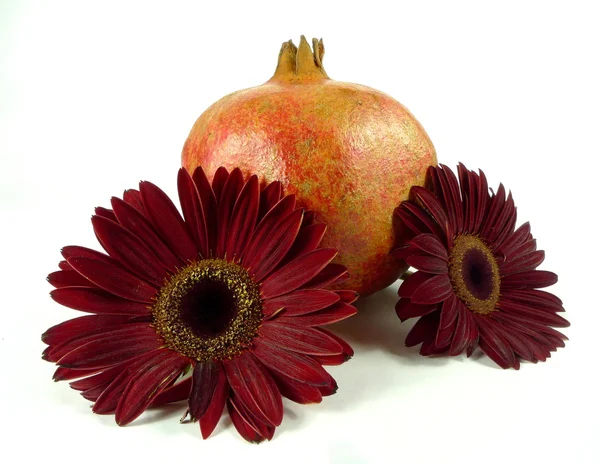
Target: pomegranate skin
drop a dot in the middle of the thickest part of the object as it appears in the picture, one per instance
(349, 152)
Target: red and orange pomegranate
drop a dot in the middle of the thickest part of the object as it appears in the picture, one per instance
(349, 152)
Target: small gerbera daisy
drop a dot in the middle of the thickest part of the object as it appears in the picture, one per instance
(476, 282)
(233, 291)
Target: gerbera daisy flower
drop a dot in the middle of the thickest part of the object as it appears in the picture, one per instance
(232, 293)
(476, 282)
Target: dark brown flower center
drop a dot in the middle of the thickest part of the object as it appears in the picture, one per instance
(209, 310)
(474, 274)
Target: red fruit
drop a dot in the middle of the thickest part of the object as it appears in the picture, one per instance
(349, 152)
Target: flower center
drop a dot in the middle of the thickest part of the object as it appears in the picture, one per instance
(474, 274)
(209, 310)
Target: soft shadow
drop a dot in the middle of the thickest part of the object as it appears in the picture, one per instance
(376, 326)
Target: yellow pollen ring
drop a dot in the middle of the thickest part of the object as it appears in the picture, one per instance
(462, 245)
(178, 334)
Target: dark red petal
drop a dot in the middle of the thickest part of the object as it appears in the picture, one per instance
(69, 252)
(133, 198)
(64, 373)
(114, 279)
(266, 431)
(243, 219)
(450, 192)
(263, 231)
(61, 279)
(430, 244)
(472, 334)
(134, 221)
(528, 279)
(539, 352)
(432, 204)
(330, 389)
(526, 247)
(204, 382)
(403, 251)
(209, 199)
(470, 201)
(406, 309)
(427, 263)
(300, 302)
(304, 340)
(509, 223)
(74, 251)
(418, 220)
(294, 365)
(275, 245)
(347, 296)
(483, 198)
(434, 290)
(495, 209)
(425, 328)
(333, 273)
(534, 338)
(95, 300)
(112, 347)
(255, 388)
(335, 359)
(64, 266)
(514, 240)
(94, 393)
(460, 339)
(297, 392)
(331, 360)
(449, 312)
(307, 240)
(429, 348)
(147, 383)
(80, 326)
(505, 222)
(537, 298)
(522, 263)
(530, 313)
(168, 222)
(68, 339)
(269, 197)
(335, 313)
(297, 273)
(107, 399)
(103, 378)
(310, 217)
(126, 247)
(444, 335)
(535, 330)
(518, 343)
(177, 392)
(411, 283)
(494, 345)
(219, 181)
(105, 213)
(346, 348)
(211, 417)
(193, 212)
(447, 325)
(433, 183)
(231, 191)
(250, 429)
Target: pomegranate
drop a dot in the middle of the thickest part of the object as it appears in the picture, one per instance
(349, 152)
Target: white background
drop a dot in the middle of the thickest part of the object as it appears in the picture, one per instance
(95, 96)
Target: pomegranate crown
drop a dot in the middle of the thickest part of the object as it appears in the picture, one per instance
(299, 64)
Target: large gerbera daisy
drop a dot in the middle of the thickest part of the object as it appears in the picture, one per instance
(476, 282)
(232, 294)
